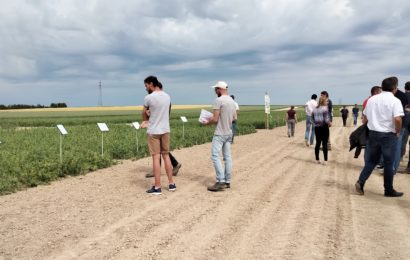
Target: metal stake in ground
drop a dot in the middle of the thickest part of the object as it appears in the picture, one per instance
(103, 128)
(184, 120)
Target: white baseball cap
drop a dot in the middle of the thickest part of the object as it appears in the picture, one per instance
(221, 84)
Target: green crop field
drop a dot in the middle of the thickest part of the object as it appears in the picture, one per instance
(30, 141)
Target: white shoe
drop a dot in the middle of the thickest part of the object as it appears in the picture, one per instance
(324, 162)
(317, 161)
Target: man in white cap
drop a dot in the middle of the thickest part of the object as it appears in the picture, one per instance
(223, 115)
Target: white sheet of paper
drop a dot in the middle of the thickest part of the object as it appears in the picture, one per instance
(136, 125)
(205, 116)
(62, 129)
(103, 127)
(183, 118)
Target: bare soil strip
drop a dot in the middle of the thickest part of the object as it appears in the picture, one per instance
(281, 205)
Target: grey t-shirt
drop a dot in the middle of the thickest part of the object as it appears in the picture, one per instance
(158, 103)
(227, 111)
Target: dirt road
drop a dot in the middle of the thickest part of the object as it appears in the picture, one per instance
(281, 206)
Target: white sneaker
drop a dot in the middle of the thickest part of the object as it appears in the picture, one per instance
(317, 161)
(324, 162)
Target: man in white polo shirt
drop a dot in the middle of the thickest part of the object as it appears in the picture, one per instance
(382, 114)
(309, 107)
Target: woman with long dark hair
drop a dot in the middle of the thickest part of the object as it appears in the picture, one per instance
(321, 119)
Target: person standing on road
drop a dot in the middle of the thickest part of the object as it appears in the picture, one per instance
(234, 122)
(321, 119)
(382, 114)
(223, 115)
(345, 114)
(291, 119)
(406, 127)
(310, 126)
(175, 164)
(158, 103)
(330, 109)
(355, 112)
(403, 99)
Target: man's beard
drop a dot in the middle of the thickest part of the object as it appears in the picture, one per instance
(219, 94)
(149, 91)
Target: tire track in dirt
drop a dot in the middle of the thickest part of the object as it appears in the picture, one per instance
(154, 223)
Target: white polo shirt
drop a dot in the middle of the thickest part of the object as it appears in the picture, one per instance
(381, 110)
(310, 106)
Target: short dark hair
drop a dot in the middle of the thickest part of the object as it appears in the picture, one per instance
(324, 92)
(292, 107)
(160, 84)
(389, 84)
(374, 90)
(153, 80)
(233, 97)
(407, 86)
(314, 96)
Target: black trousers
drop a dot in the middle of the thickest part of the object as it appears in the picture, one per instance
(344, 120)
(322, 137)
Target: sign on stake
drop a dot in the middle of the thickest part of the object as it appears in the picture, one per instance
(136, 126)
(267, 109)
(184, 120)
(103, 128)
(63, 132)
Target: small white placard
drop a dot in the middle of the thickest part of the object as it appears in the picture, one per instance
(205, 116)
(103, 127)
(136, 125)
(62, 129)
(183, 119)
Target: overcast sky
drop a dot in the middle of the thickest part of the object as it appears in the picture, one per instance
(58, 51)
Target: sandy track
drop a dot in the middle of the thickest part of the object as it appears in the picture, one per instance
(281, 205)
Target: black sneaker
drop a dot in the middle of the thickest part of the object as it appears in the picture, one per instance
(227, 185)
(359, 188)
(393, 193)
(176, 169)
(218, 186)
(172, 187)
(154, 191)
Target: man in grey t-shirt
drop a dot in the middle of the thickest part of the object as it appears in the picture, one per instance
(158, 103)
(224, 114)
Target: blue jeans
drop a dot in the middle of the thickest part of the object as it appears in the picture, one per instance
(355, 119)
(378, 144)
(222, 143)
(309, 124)
(397, 153)
(234, 129)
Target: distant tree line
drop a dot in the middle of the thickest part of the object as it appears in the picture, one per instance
(23, 106)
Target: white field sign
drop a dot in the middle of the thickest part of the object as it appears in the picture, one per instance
(103, 128)
(184, 120)
(136, 125)
(63, 132)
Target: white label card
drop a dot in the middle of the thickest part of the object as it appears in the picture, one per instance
(183, 119)
(103, 127)
(62, 129)
(136, 125)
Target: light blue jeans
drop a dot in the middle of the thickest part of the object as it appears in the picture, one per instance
(222, 143)
(309, 124)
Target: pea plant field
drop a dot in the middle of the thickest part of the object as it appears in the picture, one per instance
(30, 141)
